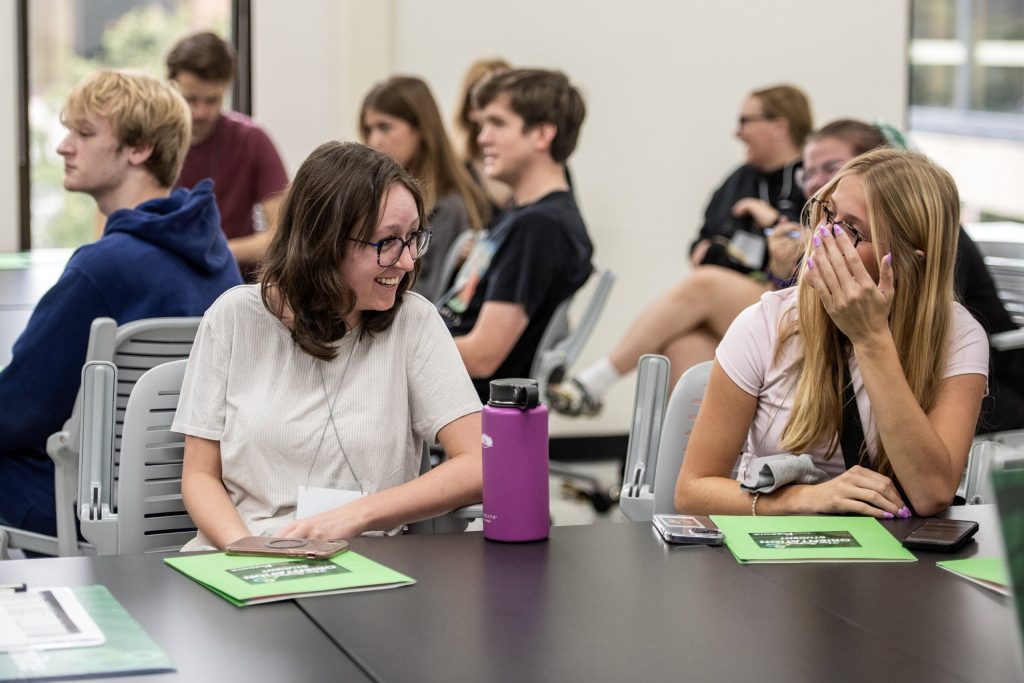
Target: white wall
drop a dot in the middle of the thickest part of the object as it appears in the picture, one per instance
(9, 216)
(663, 81)
(313, 61)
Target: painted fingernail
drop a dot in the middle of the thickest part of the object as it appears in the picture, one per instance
(823, 231)
(810, 263)
(837, 230)
(888, 258)
(887, 515)
(903, 512)
(817, 241)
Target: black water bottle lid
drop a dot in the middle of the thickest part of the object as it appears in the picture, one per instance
(514, 393)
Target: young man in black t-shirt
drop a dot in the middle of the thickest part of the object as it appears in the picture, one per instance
(538, 255)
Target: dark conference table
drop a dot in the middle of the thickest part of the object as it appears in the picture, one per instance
(611, 602)
(207, 638)
(604, 602)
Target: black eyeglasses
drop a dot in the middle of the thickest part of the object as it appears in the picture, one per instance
(830, 219)
(389, 249)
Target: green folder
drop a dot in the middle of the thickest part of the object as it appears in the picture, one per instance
(250, 580)
(128, 650)
(989, 572)
(815, 538)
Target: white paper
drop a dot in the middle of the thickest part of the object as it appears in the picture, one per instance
(45, 618)
(312, 500)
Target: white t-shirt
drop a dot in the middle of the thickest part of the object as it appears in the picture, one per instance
(268, 403)
(747, 352)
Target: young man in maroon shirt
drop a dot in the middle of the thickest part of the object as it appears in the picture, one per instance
(228, 147)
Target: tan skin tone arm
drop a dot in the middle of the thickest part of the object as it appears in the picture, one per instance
(490, 341)
(454, 483)
(250, 249)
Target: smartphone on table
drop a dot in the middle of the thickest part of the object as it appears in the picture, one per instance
(688, 529)
(305, 548)
(944, 535)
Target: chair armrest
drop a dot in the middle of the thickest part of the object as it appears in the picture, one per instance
(1006, 341)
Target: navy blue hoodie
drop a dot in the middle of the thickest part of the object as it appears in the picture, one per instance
(166, 257)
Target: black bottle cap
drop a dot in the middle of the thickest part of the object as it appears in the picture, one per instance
(514, 393)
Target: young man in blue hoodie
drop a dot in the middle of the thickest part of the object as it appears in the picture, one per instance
(162, 254)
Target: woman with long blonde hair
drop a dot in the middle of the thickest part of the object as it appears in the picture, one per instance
(870, 343)
(400, 118)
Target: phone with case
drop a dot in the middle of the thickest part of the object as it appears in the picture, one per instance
(305, 548)
(688, 529)
(944, 535)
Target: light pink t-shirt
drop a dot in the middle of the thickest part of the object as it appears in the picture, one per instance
(747, 355)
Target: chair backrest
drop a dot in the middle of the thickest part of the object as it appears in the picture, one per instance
(133, 348)
(636, 498)
(1002, 246)
(561, 343)
(984, 458)
(145, 511)
(680, 415)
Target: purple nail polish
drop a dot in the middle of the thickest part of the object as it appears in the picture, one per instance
(837, 229)
(888, 258)
(887, 515)
(810, 263)
(903, 512)
(823, 231)
(817, 241)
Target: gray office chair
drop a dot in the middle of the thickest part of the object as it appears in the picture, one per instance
(134, 348)
(561, 343)
(131, 500)
(984, 458)
(655, 451)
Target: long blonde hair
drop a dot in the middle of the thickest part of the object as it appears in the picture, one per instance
(912, 204)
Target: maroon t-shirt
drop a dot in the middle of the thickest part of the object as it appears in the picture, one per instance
(245, 167)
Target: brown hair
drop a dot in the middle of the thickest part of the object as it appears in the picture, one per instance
(860, 136)
(143, 111)
(790, 103)
(434, 164)
(339, 192)
(464, 124)
(538, 96)
(204, 54)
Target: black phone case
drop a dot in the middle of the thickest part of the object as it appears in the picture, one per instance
(941, 535)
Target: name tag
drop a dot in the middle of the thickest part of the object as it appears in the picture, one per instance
(312, 500)
(747, 248)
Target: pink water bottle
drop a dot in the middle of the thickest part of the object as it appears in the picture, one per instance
(515, 455)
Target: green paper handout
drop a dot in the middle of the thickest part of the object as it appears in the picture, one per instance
(815, 538)
(989, 572)
(249, 580)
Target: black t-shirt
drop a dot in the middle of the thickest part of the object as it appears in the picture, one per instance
(779, 188)
(538, 255)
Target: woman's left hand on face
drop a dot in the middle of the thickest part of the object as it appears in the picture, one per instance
(857, 305)
(331, 525)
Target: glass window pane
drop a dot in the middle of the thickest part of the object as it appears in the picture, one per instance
(933, 19)
(69, 39)
(932, 85)
(998, 89)
(998, 20)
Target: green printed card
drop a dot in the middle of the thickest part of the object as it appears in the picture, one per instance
(989, 572)
(250, 580)
(815, 538)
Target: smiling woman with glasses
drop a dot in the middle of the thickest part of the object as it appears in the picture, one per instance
(290, 381)
(868, 365)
